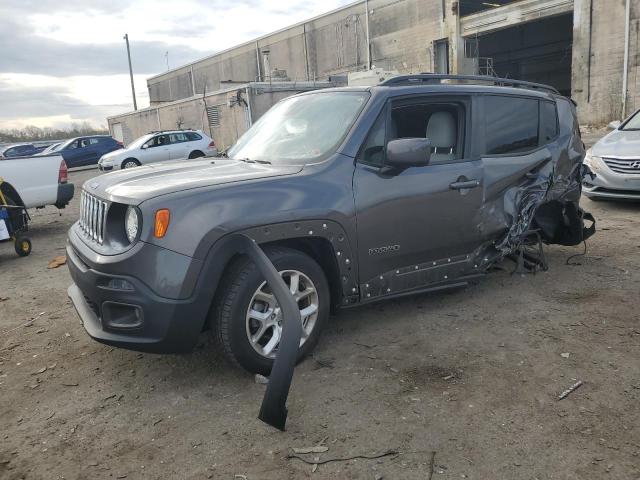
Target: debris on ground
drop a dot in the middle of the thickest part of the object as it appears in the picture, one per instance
(316, 449)
(261, 379)
(344, 459)
(432, 461)
(323, 363)
(571, 389)
(57, 261)
(565, 355)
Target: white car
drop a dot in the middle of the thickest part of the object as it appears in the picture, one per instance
(160, 147)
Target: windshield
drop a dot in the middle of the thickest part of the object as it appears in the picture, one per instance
(138, 142)
(302, 129)
(51, 148)
(66, 144)
(633, 123)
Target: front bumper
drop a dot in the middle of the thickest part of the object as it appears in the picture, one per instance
(105, 168)
(136, 318)
(608, 184)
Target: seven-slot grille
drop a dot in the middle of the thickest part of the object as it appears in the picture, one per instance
(93, 213)
(629, 166)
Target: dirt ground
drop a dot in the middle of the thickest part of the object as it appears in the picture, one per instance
(472, 375)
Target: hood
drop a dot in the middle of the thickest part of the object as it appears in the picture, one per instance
(114, 154)
(136, 185)
(619, 143)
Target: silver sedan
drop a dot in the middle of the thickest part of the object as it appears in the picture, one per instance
(615, 162)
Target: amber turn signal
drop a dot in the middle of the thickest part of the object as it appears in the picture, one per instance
(162, 223)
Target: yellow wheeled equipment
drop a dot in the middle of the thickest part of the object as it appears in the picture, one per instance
(14, 221)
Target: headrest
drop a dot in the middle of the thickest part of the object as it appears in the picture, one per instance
(441, 130)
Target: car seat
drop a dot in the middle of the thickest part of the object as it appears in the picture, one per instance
(441, 131)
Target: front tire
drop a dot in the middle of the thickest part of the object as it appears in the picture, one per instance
(130, 163)
(248, 319)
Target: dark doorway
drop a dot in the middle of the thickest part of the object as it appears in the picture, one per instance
(538, 51)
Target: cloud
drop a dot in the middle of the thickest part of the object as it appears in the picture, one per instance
(39, 55)
(67, 59)
(32, 99)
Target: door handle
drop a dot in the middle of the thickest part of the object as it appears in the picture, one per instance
(464, 185)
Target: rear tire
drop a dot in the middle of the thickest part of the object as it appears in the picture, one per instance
(196, 154)
(130, 163)
(236, 304)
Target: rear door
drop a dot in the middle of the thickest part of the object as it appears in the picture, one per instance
(418, 227)
(179, 146)
(515, 147)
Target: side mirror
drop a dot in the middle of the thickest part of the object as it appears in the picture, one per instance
(144, 147)
(408, 152)
(614, 125)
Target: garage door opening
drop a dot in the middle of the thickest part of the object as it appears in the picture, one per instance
(538, 51)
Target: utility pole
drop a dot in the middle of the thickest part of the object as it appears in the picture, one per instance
(133, 88)
(366, 16)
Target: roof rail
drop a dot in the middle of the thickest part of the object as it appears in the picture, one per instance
(427, 78)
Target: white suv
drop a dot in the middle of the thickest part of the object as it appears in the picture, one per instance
(160, 147)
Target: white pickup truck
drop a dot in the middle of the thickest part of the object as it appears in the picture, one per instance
(35, 182)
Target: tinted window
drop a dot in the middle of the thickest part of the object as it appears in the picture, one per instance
(193, 136)
(548, 122)
(511, 124)
(85, 142)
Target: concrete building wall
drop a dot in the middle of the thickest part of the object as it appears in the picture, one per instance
(598, 59)
(402, 33)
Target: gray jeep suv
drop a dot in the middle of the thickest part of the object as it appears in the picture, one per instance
(355, 194)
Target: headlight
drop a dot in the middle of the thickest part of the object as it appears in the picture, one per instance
(592, 161)
(132, 223)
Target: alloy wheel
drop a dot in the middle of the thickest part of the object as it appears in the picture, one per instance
(264, 316)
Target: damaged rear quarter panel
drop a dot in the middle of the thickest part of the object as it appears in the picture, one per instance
(516, 186)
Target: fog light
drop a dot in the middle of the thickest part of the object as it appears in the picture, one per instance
(121, 315)
(120, 284)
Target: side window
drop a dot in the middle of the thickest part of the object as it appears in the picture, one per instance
(440, 122)
(158, 141)
(548, 122)
(192, 136)
(511, 124)
(93, 141)
(177, 138)
(373, 151)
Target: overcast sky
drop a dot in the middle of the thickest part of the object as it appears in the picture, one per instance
(64, 61)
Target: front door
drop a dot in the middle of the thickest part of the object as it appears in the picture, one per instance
(418, 227)
(155, 149)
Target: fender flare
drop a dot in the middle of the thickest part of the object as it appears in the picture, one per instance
(328, 230)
